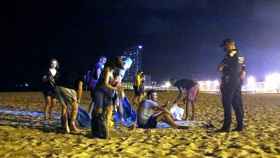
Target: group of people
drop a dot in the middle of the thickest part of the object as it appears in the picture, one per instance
(105, 85)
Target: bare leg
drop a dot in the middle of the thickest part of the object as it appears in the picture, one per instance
(64, 118)
(47, 107)
(187, 109)
(109, 110)
(167, 118)
(136, 100)
(141, 97)
(74, 113)
(53, 103)
(193, 110)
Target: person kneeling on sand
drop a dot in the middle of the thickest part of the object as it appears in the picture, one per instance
(149, 112)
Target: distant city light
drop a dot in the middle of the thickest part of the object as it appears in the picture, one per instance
(216, 83)
(251, 80)
(272, 82)
(26, 85)
(166, 84)
(251, 84)
(140, 46)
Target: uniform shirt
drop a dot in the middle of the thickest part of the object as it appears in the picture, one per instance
(233, 66)
(147, 110)
(185, 84)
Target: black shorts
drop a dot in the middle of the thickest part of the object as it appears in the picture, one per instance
(49, 94)
(138, 91)
(152, 123)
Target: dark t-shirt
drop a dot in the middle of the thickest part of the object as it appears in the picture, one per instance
(70, 80)
(49, 81)
(185, 84)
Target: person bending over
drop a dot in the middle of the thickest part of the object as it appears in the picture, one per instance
(188, 90)
(69, 92)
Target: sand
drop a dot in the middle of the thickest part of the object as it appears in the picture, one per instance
(261, 137)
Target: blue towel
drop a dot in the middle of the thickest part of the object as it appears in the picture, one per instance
(83, 118)
(128, 116)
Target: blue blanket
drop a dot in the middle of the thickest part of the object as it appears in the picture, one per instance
(127, 118)
(83, 118)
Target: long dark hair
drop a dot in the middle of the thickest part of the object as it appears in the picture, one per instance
(115, 63)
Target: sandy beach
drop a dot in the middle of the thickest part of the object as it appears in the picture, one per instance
(261, 137)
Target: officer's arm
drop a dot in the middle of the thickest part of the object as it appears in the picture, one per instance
(221, 65)
(243, 72)
(243, 68)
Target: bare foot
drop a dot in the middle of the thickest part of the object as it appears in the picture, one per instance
(66, 129)
(74, 128)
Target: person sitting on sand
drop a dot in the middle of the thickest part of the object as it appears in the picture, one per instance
(188, 89)
(49, 79)
(69, 92)
(149, 112)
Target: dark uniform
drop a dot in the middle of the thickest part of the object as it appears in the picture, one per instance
(231, 90)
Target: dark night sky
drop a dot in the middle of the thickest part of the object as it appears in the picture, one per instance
(180, 37)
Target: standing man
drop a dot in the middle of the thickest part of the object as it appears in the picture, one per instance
(233, 72)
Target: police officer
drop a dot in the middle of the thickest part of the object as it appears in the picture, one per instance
(233, 72)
